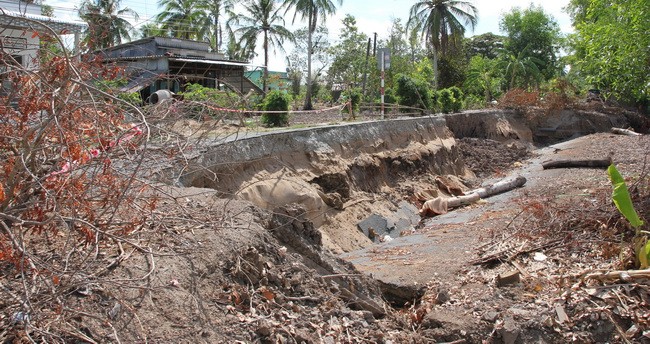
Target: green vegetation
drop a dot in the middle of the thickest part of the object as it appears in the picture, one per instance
(262, 19)
(106, 25)
(450, 99)
(276, 101)
(623, 202)
(413, 92)
(609, 50)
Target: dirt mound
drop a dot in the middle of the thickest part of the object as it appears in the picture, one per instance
(487, 157)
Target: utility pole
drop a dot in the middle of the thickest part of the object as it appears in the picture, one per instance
(374, 46)
(365, 71)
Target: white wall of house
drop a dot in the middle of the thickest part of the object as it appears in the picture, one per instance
(22, 43)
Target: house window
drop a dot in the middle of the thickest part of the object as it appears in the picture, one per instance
(8, 63)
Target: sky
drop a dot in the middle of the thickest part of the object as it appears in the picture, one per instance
(371, 15)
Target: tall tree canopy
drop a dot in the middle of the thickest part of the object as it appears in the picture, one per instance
(311, 10)
(442, 25)
(106, 25)
(349, 54)
(613, 47)
(536, 32)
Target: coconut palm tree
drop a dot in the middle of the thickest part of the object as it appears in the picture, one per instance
(181, 18)
(310, 10)
(261, 17)
(212, 12)
(151, 29)
(442, 25)
(106, 25)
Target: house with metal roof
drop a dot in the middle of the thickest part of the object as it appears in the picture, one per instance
(21, 25)
(161, 63)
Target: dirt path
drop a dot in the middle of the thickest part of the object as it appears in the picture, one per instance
(465, 299)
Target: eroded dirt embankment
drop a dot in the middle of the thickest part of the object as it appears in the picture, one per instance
(336, 173)
(340, 174)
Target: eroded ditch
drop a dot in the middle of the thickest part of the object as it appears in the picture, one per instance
(342, 174)
(338, 174)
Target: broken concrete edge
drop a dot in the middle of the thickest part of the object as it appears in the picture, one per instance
(508, 278)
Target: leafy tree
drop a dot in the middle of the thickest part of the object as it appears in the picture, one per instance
(423, 70)
(47, 10)
(311, 10)
(349, 55)
(262, 17)
(413, 92)
(452, 70)
(520, 68)
(106, 27)
(450, 99)
(534, 30)
(612, 46)
(352, 95)
(402, 52)
(482, 77)
(238, 49)
(179, 19)
(485, 45)
(295, 75)
(320, 56)
(442, 25)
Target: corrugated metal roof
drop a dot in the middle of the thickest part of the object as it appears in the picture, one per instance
(216, 62)
(13, 18)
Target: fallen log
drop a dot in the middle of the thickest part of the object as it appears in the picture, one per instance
(589, 163)
(441, 205)
(621, 131)
(625, 275)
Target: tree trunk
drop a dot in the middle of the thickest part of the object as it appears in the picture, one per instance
(265, 77)
(436, 74)
(440, 205)
(216, 33)
(593, 163)
(621, 131)
(308, 105)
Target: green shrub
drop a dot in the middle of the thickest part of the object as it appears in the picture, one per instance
(459, 97)
(390, 97)
(412, 92)
(450, 99)
(446, 100)
(112, 86)
(276, 101)
(198, 93)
